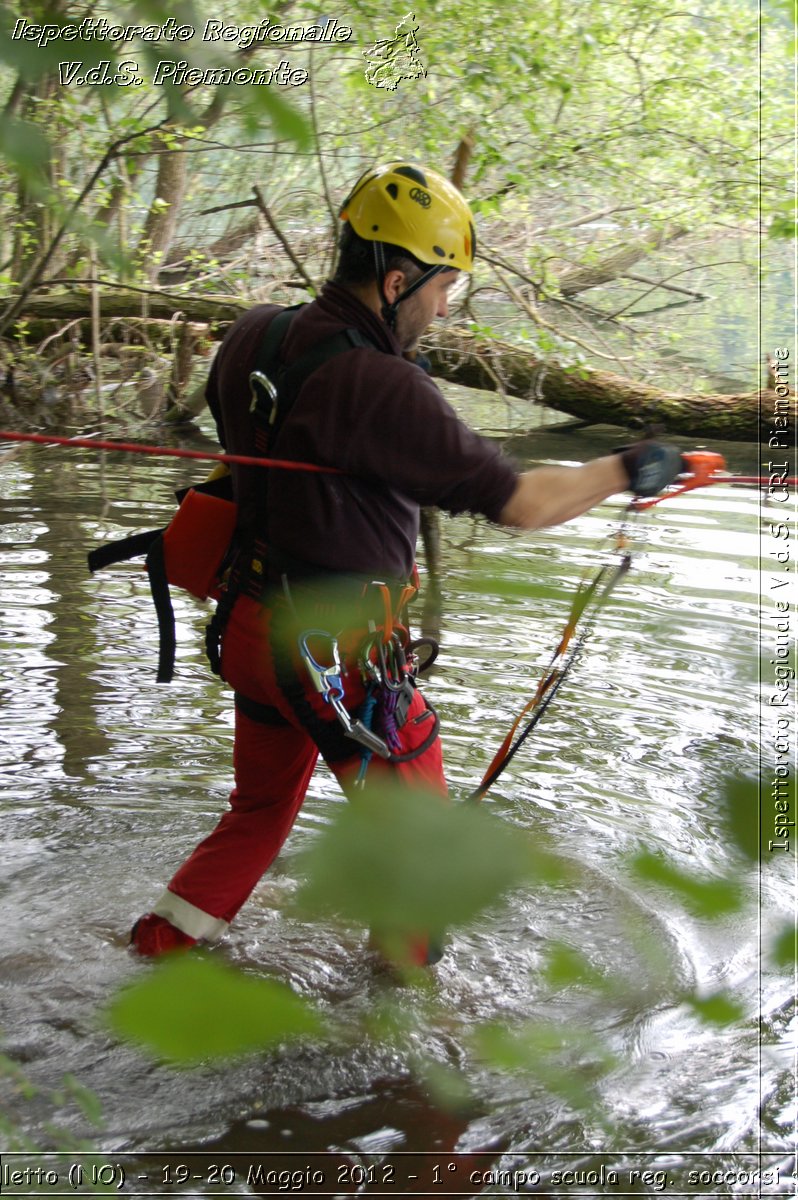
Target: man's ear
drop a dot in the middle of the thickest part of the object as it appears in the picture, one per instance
(393, 285)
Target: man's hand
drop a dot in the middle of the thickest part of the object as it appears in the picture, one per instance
(651, 466)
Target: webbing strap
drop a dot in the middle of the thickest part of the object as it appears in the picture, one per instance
(122, 549)
(278, 327)
(263, 714)
(293, 377)
(159, 587)
(289, 380)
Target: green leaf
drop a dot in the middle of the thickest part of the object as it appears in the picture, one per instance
(191, 1008)
(87, 1100)
(785, 947)
(783, 226)
(405, 862)
(567, 966)
(286, 121)
(567, 1060)
(706, 897)
(25, 146)
(718, 1009)
(742, 816)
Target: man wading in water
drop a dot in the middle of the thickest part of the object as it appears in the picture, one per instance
(325, 563)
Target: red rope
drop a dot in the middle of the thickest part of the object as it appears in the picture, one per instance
(244, 460)
(691, 484)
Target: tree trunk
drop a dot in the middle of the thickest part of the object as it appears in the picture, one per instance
(616, 263)
(127, 302)
(592, 395)
(161, 223)
(602, 397)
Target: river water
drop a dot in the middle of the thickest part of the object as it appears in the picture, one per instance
(108, 779)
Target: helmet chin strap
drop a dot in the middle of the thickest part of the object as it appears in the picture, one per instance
(390, 310)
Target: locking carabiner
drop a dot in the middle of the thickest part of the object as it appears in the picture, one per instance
(328, 682)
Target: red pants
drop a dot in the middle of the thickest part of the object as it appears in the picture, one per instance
(273, 765)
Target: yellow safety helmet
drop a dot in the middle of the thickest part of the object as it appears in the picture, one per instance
(418, 210)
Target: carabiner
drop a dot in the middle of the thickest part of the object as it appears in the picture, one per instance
(392, 682)
(326, 680)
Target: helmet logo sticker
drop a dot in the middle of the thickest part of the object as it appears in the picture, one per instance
(421, 197)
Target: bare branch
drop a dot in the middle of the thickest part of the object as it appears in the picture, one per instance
(540, 321)
(278, 233)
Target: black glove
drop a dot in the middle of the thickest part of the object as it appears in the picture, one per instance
(651, 466)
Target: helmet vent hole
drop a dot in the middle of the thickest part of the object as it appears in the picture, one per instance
(441, 253)
(411, 173)
(392, 190)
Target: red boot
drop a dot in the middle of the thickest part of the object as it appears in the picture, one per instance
(406, 952)
(152, 936)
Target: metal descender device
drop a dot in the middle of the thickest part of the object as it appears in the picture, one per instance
(328, 682)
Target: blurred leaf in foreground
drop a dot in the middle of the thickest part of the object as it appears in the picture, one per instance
(191, 1008)
(566, 1060)
(718, 1009)
(705, 897)
(741, 807)
(24, 145)
(785, 946)
(567, 967)
(405, 861)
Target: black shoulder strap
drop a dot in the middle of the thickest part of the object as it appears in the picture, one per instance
(269, 349)
(275, 386)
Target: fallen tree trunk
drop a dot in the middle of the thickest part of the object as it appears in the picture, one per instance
(616, 263)
(595, 396)
(124, 302)
(601, 397)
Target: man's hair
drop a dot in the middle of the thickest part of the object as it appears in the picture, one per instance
(356, 266)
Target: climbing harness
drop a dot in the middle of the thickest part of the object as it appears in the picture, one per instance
(274, 388)
(200, 550)
(381, 713)
(384, 659)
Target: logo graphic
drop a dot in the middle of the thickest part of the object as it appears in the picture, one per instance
(421, 197)
(393, 59)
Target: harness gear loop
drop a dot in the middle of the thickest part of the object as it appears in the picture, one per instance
(333, 738)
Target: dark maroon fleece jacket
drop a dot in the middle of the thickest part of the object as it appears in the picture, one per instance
(377, 417)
